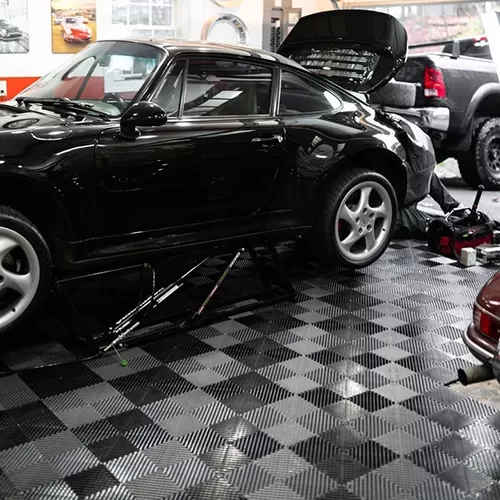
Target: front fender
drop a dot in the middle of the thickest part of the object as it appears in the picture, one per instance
(21, 191)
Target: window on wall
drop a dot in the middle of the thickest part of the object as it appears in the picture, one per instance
(145, 17)
(441, 21)
(226, 88)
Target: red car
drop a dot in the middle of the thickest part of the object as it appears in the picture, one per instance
(74, 30)
(483, 334)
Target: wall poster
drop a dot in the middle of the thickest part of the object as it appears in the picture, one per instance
(73, 25)
(14, 27)
(145, 18)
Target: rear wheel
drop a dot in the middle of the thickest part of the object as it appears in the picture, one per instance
(358, 219)
(25, 269)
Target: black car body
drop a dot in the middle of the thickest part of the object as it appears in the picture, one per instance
(9, 31)
(211, 144)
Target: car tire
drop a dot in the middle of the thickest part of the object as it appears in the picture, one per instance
(360, 206)
(25, 269)
(487, 154)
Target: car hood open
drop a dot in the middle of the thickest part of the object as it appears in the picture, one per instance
(359, 50)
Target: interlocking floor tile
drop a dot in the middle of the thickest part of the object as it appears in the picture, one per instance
(340, 396)
(91, 481)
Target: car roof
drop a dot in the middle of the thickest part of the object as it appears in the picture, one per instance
(175, 47)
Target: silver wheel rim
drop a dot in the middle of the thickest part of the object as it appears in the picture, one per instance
(19, 276)
(363, 221)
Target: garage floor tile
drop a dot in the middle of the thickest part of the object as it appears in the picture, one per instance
(340, 396)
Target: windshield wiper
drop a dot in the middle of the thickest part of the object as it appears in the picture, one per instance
(9, 107)
(63, 104)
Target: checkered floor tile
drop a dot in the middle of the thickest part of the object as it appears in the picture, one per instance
(340, 396)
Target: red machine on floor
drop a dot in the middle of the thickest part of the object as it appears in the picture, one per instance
(462, 228)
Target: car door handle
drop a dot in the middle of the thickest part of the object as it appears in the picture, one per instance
(272, 138)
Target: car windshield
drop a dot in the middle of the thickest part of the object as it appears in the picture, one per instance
(71, 20)
(106, 75)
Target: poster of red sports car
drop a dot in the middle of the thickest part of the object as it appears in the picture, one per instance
(14, 36)
(73, 25)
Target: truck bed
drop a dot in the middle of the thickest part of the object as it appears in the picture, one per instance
(463, 76)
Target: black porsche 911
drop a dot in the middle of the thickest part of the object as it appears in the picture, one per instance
(141, 147)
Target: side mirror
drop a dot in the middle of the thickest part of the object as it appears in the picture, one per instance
(455, 49)
(142, 114)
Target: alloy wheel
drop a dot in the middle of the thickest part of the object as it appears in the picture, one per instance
(493, 156)
(19, 275)
(363, 221)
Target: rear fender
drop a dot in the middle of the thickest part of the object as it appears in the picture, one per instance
(379, 160)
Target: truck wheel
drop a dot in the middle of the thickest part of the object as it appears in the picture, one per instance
(487, 154)
(25, 269)
(357, 220)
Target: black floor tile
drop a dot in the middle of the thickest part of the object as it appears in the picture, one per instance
(112, 448)
(91, 481)
(371, 401)
(129, 420)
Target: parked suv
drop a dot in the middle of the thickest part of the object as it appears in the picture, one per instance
(137, 148)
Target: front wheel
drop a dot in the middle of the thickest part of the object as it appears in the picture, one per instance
(25, 269)
(358, 219)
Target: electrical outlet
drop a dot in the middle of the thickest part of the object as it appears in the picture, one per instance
(3, 88)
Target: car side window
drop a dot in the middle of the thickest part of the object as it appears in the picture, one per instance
(299, 96)
(168, 95)
(227, 88)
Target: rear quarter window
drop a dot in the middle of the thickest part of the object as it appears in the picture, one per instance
(300, 96)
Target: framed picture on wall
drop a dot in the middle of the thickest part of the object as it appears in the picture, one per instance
(14, 27)
(145, 18)
(73, 25)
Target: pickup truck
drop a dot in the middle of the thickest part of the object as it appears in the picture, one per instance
(457, 103)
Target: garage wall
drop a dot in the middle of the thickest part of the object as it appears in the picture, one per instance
(312, 6)
(20, 70)
(193, 15)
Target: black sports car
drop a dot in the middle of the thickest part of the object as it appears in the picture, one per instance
(141, 147)
(9, 31)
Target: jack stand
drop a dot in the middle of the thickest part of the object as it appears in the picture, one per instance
(126, 324)
(139, 325)
(203, 306)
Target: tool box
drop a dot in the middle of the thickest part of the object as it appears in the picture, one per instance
(462, 228)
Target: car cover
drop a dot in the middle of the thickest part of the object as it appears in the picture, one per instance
(359, 50)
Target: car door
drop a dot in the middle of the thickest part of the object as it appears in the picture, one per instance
(215, 159)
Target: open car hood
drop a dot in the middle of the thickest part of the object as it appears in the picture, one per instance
(359, 50)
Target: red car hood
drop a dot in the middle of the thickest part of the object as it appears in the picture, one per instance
(77, 29)
(489, 296)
